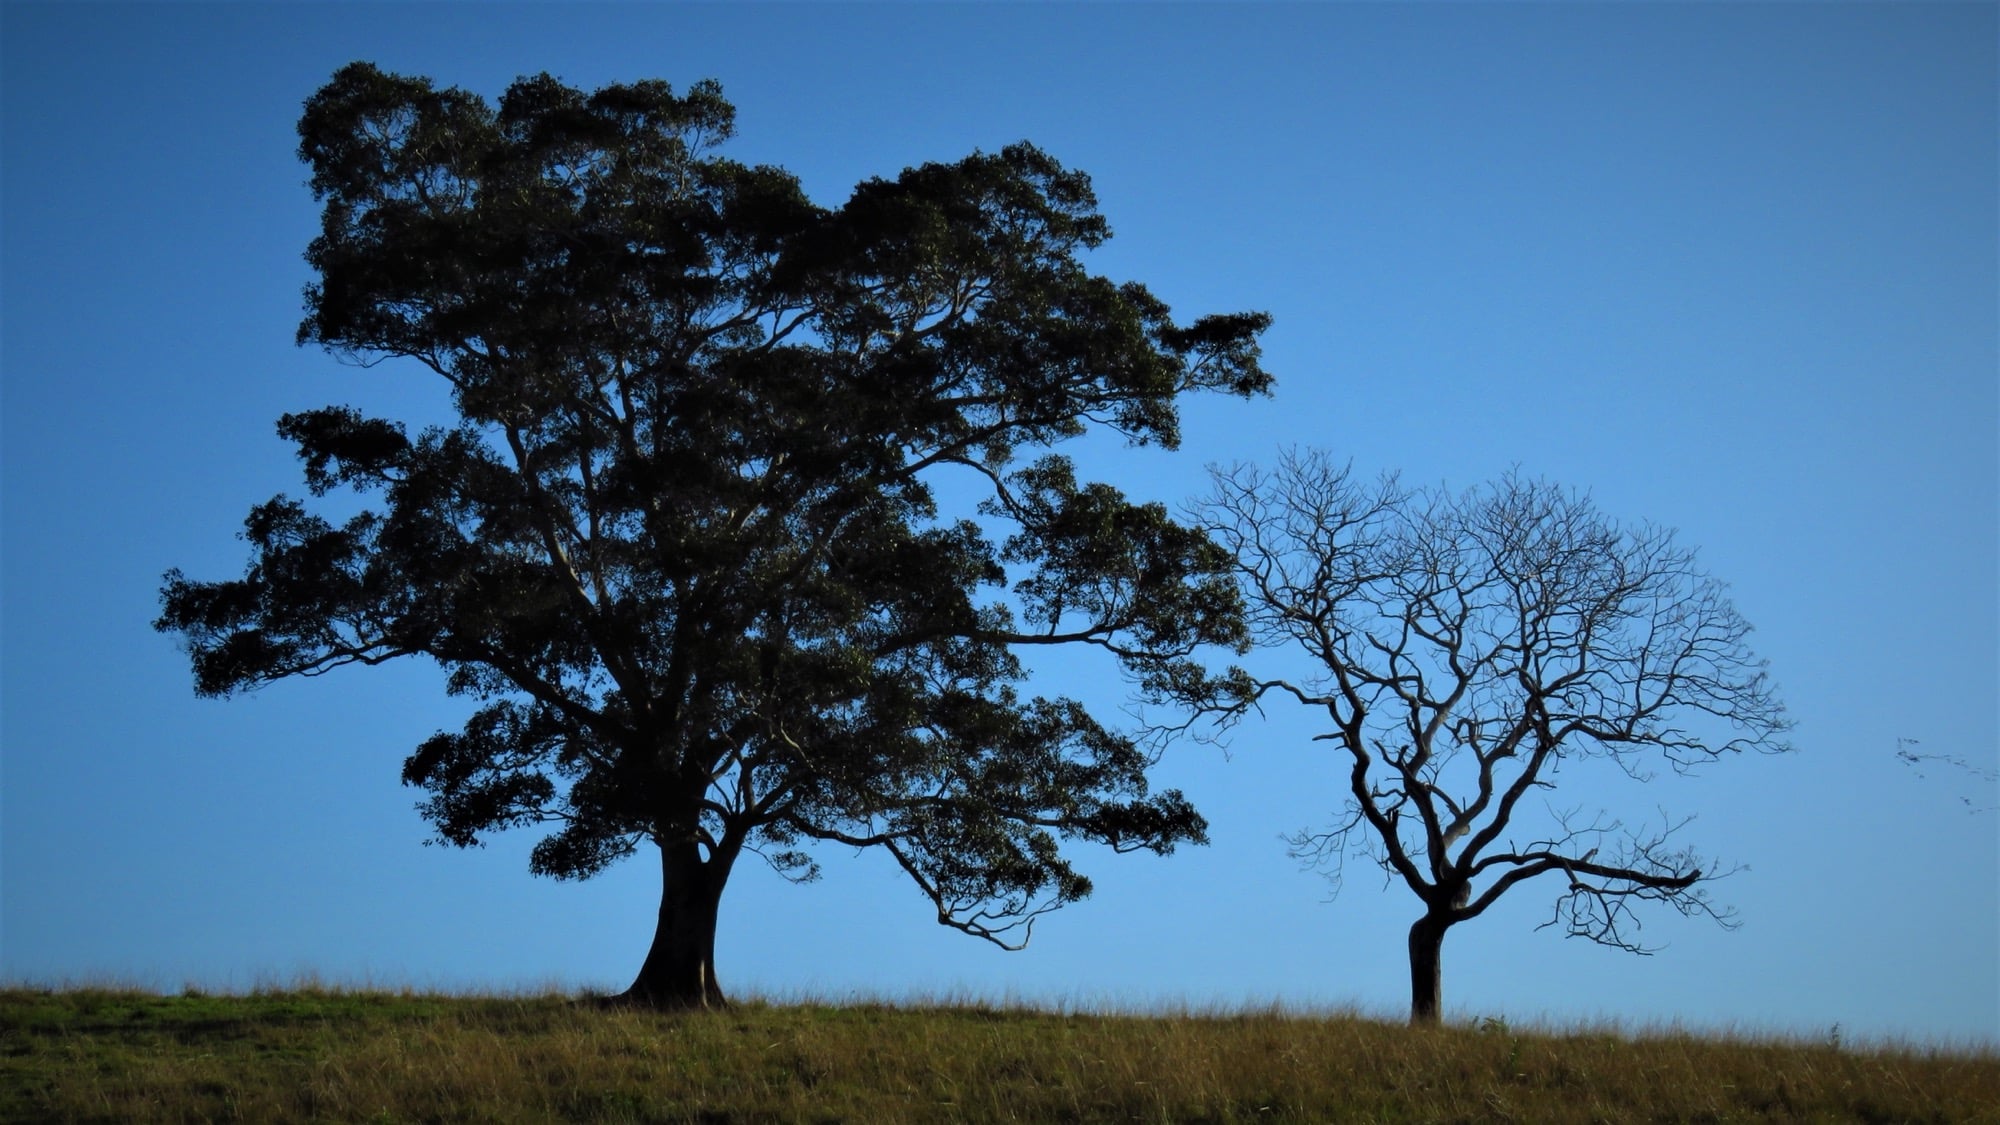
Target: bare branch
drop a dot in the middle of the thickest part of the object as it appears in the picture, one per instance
(1920, 762)
(1466, 646)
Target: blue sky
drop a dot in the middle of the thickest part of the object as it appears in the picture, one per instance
(1730, 268)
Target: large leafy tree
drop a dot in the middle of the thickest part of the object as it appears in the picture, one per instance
(683, 544)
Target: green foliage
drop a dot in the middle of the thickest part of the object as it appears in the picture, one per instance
(683, 543)
(330, 1055)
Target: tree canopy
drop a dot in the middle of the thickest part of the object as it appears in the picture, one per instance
(683, 543)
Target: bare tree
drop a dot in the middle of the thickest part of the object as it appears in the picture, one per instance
(1464, 646)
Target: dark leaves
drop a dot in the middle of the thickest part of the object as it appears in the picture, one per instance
(340, 447)
(683, 543)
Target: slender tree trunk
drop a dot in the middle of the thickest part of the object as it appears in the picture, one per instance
(679, 971)
(1426, 981)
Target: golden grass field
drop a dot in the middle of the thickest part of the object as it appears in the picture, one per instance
(329, 1054)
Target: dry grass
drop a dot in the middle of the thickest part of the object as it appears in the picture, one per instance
(330, 1055)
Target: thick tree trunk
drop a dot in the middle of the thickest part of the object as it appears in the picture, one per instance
(1426, 981)
(679, 971)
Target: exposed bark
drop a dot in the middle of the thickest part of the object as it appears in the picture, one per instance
(1426, 980)
(679, 970)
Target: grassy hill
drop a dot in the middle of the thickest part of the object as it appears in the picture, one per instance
(331, 1055)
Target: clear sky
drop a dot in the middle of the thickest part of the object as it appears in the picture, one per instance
(1732, 269)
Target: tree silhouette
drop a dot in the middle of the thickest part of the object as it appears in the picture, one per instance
(1463, 647)
(683, 543)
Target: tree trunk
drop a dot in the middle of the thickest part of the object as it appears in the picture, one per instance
(1426, 981)
(679, 971)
